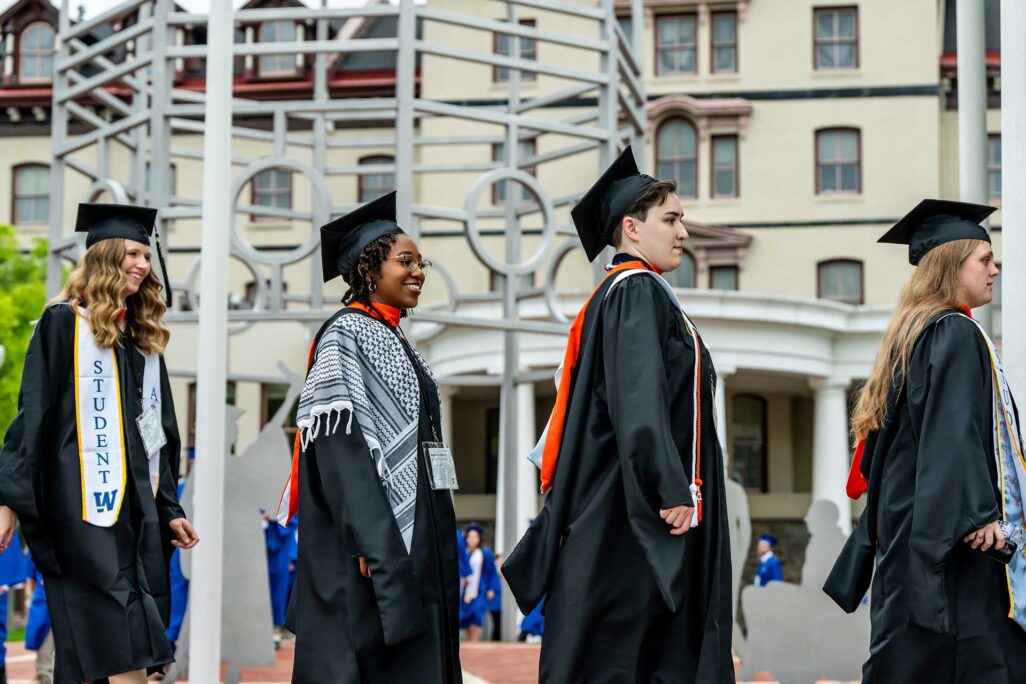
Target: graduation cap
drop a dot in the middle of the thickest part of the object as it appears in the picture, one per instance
(474, 527)
(343, 239)
(603, 207)
(121, 222)
(769, 539)
(935, 222)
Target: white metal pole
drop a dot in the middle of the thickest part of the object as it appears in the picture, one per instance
(1013, 182)
(212, 361)
(972, 110)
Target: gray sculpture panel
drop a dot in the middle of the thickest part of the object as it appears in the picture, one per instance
(253, 481)
(795, 631)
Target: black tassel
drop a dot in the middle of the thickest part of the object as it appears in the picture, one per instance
(164, 274)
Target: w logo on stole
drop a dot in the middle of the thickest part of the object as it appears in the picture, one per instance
(105, 500)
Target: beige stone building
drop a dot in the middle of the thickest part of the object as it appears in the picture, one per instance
(798, 130)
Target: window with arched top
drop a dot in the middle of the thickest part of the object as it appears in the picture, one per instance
(277, 32)
(36, 51)
(677, 155)
(373, 185)
(840, 280)
(748, 441)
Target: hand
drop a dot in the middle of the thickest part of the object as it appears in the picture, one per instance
(364, 570)
(468, 599)
(8, 522)
(986, 537)
(490, 595)
(185, 535)
(678, 518)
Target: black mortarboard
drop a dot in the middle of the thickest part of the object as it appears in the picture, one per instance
(121, 222)
(111, 221)
(934, 222)
(343, 239)
(603, 207)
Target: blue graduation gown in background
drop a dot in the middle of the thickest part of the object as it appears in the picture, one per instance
(179, 590)
(12, 572)
(490, 582)
(37, 625)
(281, 552)
(464, 557)
(534, 622)
(769, 571)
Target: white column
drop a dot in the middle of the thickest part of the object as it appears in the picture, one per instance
(1013, 200)
(446, 393)
(830, 450)
(721, 407)
(527, 475)
(972, 111)
(211, 366)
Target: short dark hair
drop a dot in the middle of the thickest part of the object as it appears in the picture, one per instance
(653, 196)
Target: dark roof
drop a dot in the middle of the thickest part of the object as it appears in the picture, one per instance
(992, 26)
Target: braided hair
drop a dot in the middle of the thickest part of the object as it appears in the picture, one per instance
(367, 269)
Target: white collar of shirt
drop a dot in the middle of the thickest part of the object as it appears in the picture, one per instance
(766, 556)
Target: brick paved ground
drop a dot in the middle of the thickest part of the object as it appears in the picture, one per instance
(490, 663)
(484, 663)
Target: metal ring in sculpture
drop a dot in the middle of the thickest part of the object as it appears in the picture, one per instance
(320, 201)
(476, 242)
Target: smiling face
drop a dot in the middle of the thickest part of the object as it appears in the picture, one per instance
(659, 238)
(396, 285)
(135, 266)
(976, 276)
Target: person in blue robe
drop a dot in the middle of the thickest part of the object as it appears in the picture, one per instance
(533, 624)
(769, 565)
(37, 623)
(492, 586)
(12, 573)
(179, 591)
(281, 555)
(472, 605)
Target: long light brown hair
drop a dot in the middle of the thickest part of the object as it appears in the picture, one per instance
(932, 288)
(97, 284)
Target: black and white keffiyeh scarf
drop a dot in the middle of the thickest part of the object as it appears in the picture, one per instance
(360, 366)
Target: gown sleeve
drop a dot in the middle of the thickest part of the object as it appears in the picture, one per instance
(168, 508)
(26, 441)
(955, 492)
(636, 323)
(358, 502)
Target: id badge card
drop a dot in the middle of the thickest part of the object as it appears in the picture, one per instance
(443, 469)
(150, 429)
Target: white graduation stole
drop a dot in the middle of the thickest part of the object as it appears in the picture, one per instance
(101, 429)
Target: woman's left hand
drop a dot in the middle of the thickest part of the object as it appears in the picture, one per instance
(986, 537)
(185, 535)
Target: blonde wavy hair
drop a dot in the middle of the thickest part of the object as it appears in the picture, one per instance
(932, 288)
(97, 284)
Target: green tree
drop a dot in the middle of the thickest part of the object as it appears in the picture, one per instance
(22, 295)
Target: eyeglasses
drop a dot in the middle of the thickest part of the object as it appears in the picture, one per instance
(424, 265)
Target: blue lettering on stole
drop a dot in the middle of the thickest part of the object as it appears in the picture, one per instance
(101, 441)
(97, 367)
(96, 423)
(99, 403)
(105, 500)
(99, 384)
(153, 394)
(102, 459)
(104, 474)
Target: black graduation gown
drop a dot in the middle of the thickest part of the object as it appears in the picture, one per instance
(107, 587)
(627, 601)
(938, 608)
(402, 624)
